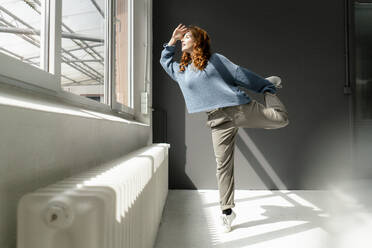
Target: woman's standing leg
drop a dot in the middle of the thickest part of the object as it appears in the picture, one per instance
(223, 138)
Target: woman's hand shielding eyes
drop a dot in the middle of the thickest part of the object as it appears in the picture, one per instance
(179, 32)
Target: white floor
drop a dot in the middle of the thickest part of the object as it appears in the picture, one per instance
(272, 219)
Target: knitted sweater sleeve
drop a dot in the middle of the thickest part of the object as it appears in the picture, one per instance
(252, 81)
(246, 78)
(167, 62)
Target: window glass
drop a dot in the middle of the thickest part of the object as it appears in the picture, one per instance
(121, 53)
(20, 25)
(83, 35)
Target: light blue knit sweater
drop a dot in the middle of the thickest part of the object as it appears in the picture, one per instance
(217, 85)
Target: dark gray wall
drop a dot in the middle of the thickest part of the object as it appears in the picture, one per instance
(303, 42)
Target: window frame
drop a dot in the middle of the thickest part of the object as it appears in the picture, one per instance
(351, 60)
(47, 78)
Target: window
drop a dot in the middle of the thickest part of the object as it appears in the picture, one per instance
(83, 44)
(81, 49)
(121, 53)
(21, 23)
(25, 42)
(363, 59)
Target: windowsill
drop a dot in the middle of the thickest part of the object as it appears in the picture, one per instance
(60, 103)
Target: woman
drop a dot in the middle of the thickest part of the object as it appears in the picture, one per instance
(209, 83)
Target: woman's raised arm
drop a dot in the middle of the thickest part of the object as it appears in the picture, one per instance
(166, 59)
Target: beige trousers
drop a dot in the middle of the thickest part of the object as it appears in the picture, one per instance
(225, 122)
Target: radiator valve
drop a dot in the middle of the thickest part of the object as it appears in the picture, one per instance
(58, 215)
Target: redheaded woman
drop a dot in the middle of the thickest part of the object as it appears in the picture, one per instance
(209, 83)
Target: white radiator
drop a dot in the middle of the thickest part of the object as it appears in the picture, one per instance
(116, 205)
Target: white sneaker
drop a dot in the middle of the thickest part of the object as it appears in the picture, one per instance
(276, 81)
(226, 221)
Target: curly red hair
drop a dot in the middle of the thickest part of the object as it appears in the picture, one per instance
(201, 49)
